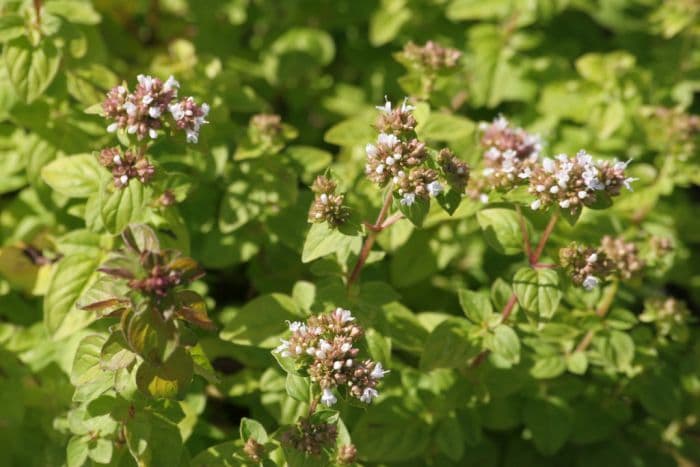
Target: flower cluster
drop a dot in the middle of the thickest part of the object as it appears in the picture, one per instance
(327, 205)
(310, 437)
(510, 155)
(142, 112)
(587, 265)
(668, 315)
(456, 171)
(267, 126)
(254, 450)
(159, 272)
(431, 56)
(400, 159)
(574, 182)
(347, 453)
(126, 166)
(680, 130)
(324, 346)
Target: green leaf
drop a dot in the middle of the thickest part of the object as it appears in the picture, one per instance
(446, 127)
(386, 23)
(620, 350)
(322, 241)
(261, 321)
(297, 387)
(416, 212)
(77, 451)
(450, 345)
(75, 11)
(101, 450)
(72, 278)
(502, 229)
(115, 354)
(86, 365)
(250, 428)
(147, 334)
(356, 131)
(11, 27)
(31, 69)
(476, 306)
(548, 367)
(577, 363)
(550, 422)
(504, 343)
(73, 176)
(449, 437)
(317, 43)
(123, 206)
(167, 380)
(538, 291)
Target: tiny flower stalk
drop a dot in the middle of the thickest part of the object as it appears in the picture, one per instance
(409, 171)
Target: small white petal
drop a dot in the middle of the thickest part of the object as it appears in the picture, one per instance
(328, 398)
(112, 127)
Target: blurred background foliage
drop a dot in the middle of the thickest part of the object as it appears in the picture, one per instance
(617, 77)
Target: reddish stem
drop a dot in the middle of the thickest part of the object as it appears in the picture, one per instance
(371, 236)
(535, 257)
(534, 262)
(601, 311)
(37, 9)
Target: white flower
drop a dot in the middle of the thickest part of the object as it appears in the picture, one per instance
(345, 347)
(408, 199)
(368, 394)
(627, 182)
(387, 140)
(152, 133)
(492, 153)
(147, 99)
(337, 365)
(117, 160)
(535, 205)
(484, 198)
(371, 150)
(500, 122)
(311, 351)
(112, 128)
(386, 107)
(171, 84)
(283, 348)
(132, 129)
(323, 198)
(145, 81)
(590, 282)
(548, 165)
(348, 362)
(124, 179)
(130, 108)
(405, 107)
(154, 112)
(582, 194)
(324, 345)
(565, 203)
(592, 258)
(192, 136)
(328, 398)
(526, 173)
(389, 160)
(554, 190)
(540, 188)
(379, 169)
(434, 188)
(378, 372)
(344, 315)
(295, 326)
(176, 110)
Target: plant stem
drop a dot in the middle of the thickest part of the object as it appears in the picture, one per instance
(601, 311)
(371, 236)
(534, 262)
(313, 405)
(391, 220)
(37, 9)
(535, 257)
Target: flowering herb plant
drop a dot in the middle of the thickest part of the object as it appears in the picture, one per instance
(394, 233)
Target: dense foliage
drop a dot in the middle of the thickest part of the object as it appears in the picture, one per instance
(348, 232)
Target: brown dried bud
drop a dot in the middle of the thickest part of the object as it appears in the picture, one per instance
(254, 450)
(431, 56)
(347, 453)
